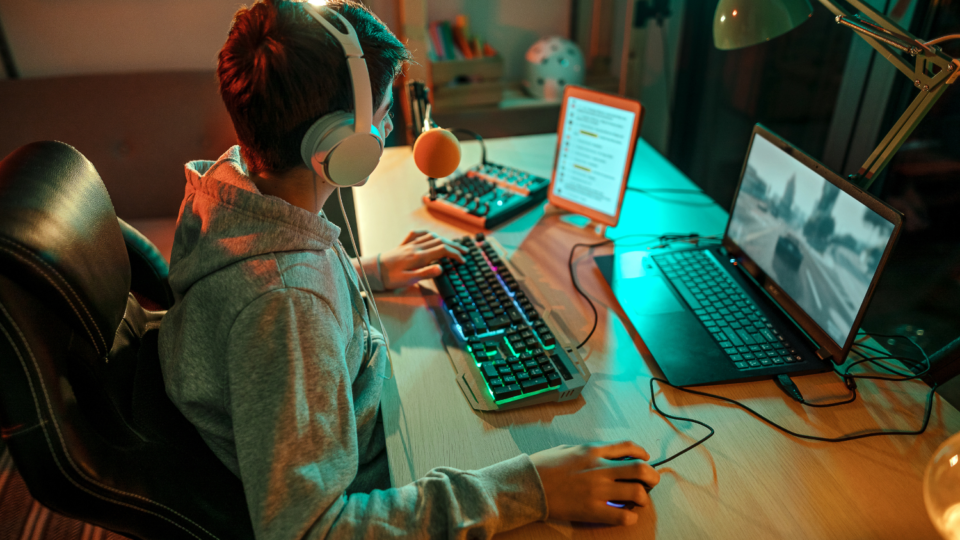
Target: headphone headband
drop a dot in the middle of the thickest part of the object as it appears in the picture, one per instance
(359, 77)
(341, 147)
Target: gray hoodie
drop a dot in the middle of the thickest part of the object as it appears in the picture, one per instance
(268, 352)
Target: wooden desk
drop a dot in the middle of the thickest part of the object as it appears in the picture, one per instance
(748, 481)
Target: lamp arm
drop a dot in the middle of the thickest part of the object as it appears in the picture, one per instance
(882, 33)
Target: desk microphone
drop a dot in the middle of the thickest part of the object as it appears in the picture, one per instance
(436, 153)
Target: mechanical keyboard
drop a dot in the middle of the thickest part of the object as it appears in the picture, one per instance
(505, 353)
(488, 194)
(732, 318)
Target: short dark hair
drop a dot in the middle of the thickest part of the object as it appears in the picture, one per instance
(280, 71)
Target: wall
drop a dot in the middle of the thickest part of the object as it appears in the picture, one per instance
(65, 37)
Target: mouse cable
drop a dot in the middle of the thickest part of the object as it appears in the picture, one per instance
(664, 239)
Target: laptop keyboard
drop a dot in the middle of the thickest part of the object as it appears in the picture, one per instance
(741, 329)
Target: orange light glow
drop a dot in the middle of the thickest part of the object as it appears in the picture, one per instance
(734, 13)
(953, 461)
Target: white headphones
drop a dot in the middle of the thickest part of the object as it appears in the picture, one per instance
(344, 148)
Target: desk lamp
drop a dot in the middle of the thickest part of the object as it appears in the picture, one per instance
(741, 23)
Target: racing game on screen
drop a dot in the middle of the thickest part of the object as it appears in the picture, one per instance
(819, 244)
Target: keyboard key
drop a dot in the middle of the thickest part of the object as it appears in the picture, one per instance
(530, 364)
(521, 377)
(535, 372)
(504, 370)
(741, 365)
(477, 321)
(534, 384)
(732, 336)
(444, 287)
(495, 382)
(687, 295)
(765, 362)
(745, 337)
(768, 336)
(497, 323)
(736, 357)
(730, 350)
(547, 339)
(509, 379)
(506, 391)
(777, 360)
(516, 366)
(488, 370)
(753, 363)
(553, 379)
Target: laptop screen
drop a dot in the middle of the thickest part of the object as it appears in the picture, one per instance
(819, 244)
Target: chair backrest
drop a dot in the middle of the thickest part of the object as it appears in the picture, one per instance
(83, 409)
(149, 271)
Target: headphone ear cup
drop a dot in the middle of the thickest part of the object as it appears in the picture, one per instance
(339, 155)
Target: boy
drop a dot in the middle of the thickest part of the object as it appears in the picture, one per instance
(268, 349)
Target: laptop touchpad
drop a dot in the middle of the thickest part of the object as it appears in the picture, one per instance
(651, 295)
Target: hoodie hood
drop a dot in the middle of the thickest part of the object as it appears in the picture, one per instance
(224, 219)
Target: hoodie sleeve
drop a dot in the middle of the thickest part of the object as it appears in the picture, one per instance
(296, 442)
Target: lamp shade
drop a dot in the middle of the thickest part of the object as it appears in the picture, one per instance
(741, 23)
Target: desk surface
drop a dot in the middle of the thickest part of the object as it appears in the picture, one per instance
(748, 481)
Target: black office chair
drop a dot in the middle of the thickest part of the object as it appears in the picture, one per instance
(83, 409)
(148, 270)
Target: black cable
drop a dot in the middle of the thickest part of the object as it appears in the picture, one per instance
(666, 190)
(477, 136)
(653, 401)
(848, 378)
(573, 278)
(844, 438)
(650, 193)
(664, 239)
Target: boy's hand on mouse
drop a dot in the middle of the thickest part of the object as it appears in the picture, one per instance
(579, 480)
(415, 259)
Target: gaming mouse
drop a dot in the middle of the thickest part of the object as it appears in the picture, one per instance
(629, 505)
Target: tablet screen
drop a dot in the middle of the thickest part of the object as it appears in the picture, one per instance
(596, 141)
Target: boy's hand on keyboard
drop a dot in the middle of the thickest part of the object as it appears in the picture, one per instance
(580, 480)
(416, 257)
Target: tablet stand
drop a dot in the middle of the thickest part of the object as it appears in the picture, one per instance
(578, 221)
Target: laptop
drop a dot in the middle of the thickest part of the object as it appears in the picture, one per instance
(785, 291)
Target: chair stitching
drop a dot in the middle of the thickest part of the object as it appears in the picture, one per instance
(21, 257)
(78, 471)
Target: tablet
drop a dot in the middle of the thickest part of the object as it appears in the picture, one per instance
(596, 138)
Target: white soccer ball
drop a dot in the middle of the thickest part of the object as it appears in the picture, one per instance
(553, 63)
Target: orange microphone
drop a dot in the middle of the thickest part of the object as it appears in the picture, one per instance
(437, 154)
